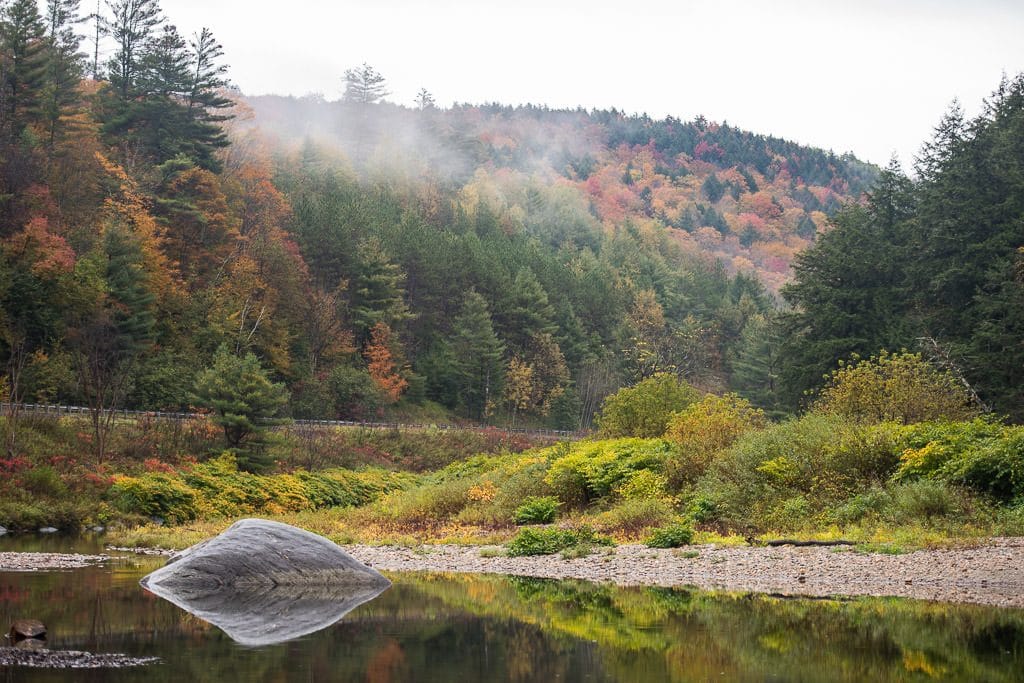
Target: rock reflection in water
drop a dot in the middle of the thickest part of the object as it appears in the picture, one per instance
(257, 615)
(264, 582)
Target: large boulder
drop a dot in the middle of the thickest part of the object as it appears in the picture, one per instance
(264, 582)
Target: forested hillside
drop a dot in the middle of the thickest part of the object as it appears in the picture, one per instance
(504, 263)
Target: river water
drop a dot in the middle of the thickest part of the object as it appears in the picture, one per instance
(462, 628)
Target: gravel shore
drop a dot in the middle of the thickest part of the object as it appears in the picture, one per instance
(29, 562)
(989, 574)
(69, 659)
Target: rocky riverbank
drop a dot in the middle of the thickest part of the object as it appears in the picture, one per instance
(69, 659)
(990, 574)
(28, 562)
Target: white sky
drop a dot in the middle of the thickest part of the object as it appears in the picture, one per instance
(868, 76)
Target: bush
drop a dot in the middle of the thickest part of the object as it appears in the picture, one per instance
(671, 536)
(644, 409)
(217, 488)
(633, 516)
(595, 469)
(530, 542)
(43, 481)
(981, 455)
(894, 387)
(703, 429)
(155, 495)
(537, 510)
(923, 501)
(821, 459)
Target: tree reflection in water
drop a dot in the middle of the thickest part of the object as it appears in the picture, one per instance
(431, 627)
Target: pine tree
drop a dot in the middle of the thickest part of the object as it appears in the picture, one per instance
(424, 100)
(363, 85)
(526, 312)
(245, 402)
(23, 44)
(756, 364)
(477, 355)
(850, 292)
(133, 27)
(205, 102)
(376, 291)
(65, 65)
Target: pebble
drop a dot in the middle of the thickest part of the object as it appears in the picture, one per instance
(992, 574)
(28, 562)
(68, 659)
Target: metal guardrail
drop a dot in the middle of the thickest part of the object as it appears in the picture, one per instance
(56, 410)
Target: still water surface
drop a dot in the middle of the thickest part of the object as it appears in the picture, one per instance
(436, 627)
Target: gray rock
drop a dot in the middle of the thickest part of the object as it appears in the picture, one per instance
(2, 531)
(98, 529)
(48, 530)
(264, 582)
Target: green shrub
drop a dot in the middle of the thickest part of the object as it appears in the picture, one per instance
(995, 468)
(596, 469)
(819, 459)
(923, 501)
(982, 455)
(671, 536)
(537, 510)
(867, 505)
(427, 505)
(550, 541)
(644, 409)
(43, 480)
(633, 516)
(155, 495)
(703, 429)
(791, 513)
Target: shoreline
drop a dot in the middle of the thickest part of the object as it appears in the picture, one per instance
(990, 573)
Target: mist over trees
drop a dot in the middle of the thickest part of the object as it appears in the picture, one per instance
(509, 264)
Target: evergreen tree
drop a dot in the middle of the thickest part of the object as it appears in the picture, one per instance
(245, 402)
(376, 291)
(23, 44)
(756, 364)
(526, 312)
(424, 100)
(65, 64)
(111, 325)
(133, 27)
(850, 290)
(477, 353)
(205, 101)
(363, 85)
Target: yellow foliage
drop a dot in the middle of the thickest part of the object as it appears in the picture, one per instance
(899, 387)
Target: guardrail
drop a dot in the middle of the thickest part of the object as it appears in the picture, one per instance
(56, 410)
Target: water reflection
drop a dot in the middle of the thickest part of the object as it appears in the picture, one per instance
(432, 627)
(257, 616)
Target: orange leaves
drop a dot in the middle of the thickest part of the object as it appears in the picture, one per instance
(49, 255)
(126, 204)
(381, 363)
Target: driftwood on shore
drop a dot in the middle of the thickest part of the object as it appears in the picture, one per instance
(804, 544)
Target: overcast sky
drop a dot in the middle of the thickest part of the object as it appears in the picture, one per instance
(868, 76)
